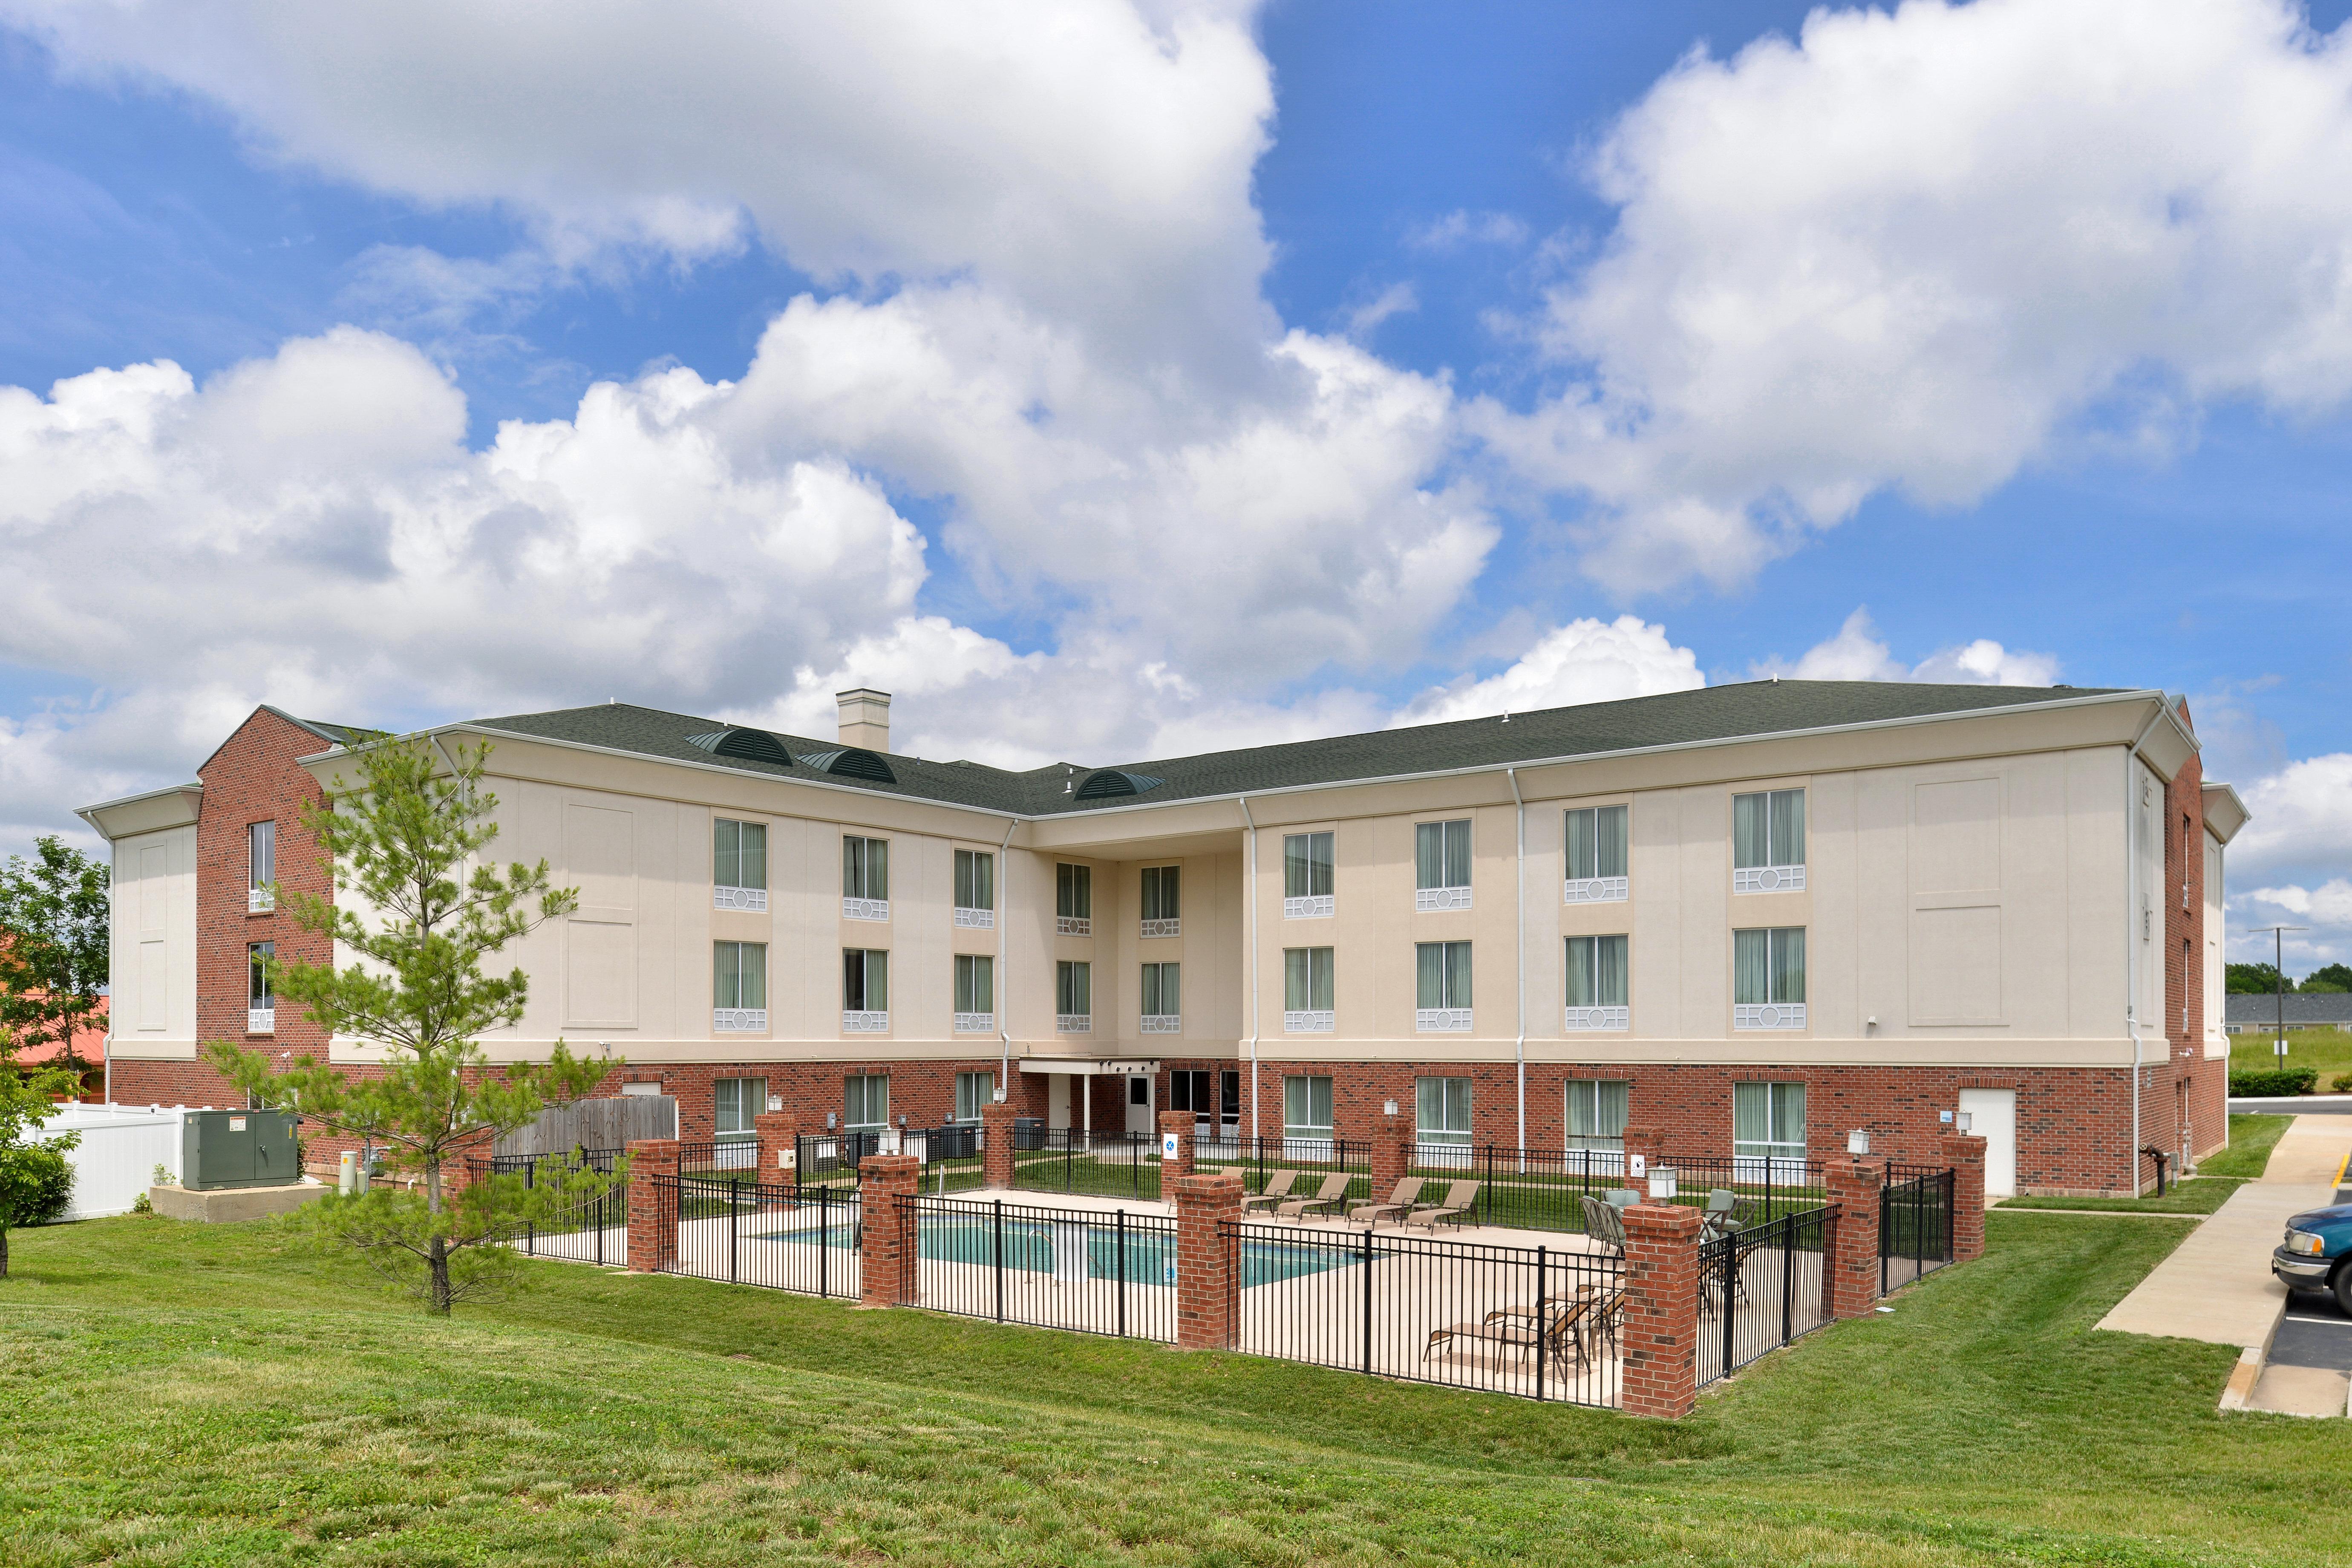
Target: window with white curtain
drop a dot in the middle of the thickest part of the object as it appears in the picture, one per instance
(973, 1092)
(1074, 900)
(1307, 861)
(739, 865)
(1306, 990)
(864, 991)
(1163, 999)
(1442, 1110)
(1442, 987)
(975, 994)
(734, 1102)
(1596, 983)
(865, 878)
(1596, 856)
(975, 889)
(865, 1102)
(1768, 842)
(1074, 1004)
(1768, 1128)
(739, 985)
(1768, 978)
(1306, 1108)
(1162, 888)
(1440, 865)
(1596, 1114)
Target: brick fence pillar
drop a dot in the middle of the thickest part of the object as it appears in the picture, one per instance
(1965, 1154)
(780, 1136)
(653, 1212)
(996, 1135)
(1180, 1122)
(1650, 1145)
(1204, 1264)
(1850, 1260)
(1392, 1141)
(1658, 1343)
(886, 1270)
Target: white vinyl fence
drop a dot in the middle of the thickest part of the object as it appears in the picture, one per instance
(120, 1147)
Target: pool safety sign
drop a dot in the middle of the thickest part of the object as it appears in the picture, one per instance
(1171, 1145)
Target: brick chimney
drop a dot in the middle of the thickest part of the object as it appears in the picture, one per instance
(864, 718)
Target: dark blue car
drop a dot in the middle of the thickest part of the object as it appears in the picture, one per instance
(2317, 1253)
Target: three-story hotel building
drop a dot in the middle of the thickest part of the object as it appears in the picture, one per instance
(1758, 916)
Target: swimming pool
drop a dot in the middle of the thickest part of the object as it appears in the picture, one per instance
(1029, 1245)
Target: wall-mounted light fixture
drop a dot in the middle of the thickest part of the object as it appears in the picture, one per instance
(1858, 1142)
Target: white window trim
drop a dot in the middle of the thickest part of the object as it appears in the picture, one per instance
(1428, 899)
(259, 900)
(1591, 1018)
(865, 908)
(1598, 890)
(865, 1022)
(1441, 1020)
(1164, 1023)
(975, 920)
(1074, 925)
(1767, 1015)
(1768, 880)
(1308, 1021)
(739, 1020)
(1074, 1023)
(755, 899)
(1162, 928)
(261, 1020)
(1316, 908)
(975, 1023)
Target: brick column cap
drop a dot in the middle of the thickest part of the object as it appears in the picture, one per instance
(1667, 1222)
(1959, 1146)
(882, 1167)
(1855, 1172)
(1218, 1183)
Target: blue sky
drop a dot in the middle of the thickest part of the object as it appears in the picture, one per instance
(1482, 327)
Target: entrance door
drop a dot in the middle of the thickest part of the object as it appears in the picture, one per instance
(1993, 1116)
(1057, 1100)
(1139, 1119)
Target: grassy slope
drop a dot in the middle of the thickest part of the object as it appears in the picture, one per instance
(2251, 1138)
(187, 1395)
(2330, 1050)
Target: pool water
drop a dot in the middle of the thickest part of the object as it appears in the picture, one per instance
(1029, 1245)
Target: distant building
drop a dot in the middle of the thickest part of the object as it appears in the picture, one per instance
(2257, 1013)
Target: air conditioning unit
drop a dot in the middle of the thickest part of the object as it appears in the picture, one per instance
(238, 1149)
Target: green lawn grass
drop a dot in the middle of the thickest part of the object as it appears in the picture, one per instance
(2251, 1138)
(2330, 1050)
(186, 1394)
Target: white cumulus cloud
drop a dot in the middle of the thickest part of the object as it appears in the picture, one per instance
(1584, 661)
(1858, 653)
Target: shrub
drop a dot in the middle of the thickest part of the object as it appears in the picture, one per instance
(2261, 1083)
(2342, 1084)
(45, 1181)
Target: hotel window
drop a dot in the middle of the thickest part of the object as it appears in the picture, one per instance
(1441, 976)
(1074, 1001)
(975, 994)
(975, 889)
(865, 878)
(1189, 1090)
(973, 1090)
(260, 998)
(1768, 978)
(739, 865)
(1596, 1115)
(1306, 990)
(864, 991)
(1596, 855)
(1442, 1110)
(1440, 865)
(1768, 1124)
(1074, 900)
(1163, 999)
(260, 867)
(1306, 1108)
(739, 985)
(1768, 842)
(1306, 876)
(734, 1101)
(1596, 983)
(1160, 910)
(865, 1102)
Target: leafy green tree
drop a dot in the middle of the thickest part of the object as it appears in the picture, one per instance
(2247, 979)
(34, 1176)
(2330, 977)
(53, 948)
(423, 907)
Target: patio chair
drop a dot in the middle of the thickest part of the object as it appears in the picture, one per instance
(1277, 1187)
(1555, 1328)
(1329, 1196)
(1722, 1203)
(1461, 1198)
(1620, 1197)
(1399, 1203)
(1603, 1225)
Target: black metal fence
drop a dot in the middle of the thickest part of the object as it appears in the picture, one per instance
(594, 1230)
(1100, 1164)
(1533, 1321)
(1053, 1268)
(952, 1157)
(1539, 1189)
(1310, 1160)
(718, 1156)
(1914, 1223)
(1760, 1288)
(785, 1237)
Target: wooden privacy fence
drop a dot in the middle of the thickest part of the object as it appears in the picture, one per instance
(611, 1123)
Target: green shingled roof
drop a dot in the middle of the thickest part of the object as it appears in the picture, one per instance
(1682, 718)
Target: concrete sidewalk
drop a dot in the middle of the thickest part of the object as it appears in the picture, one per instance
(2218, 1287)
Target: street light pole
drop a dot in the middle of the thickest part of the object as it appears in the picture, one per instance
(2278, 977)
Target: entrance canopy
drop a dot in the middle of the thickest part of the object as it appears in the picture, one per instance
(1124, 1067)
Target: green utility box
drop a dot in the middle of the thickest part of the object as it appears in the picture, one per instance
(238, 1149)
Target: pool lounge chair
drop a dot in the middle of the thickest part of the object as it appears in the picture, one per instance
(1329, 1196)
(1461, 1198)
(1400, 1202)
(1277, 1188)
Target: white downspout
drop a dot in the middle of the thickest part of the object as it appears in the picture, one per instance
(1521, 964)
(1250, 877)
(1003, 970)
(2131, 932)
